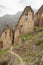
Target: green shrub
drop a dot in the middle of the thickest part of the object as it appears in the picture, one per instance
(39, 42)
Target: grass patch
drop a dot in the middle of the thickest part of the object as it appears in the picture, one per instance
(42, 44)
(39, 42)
(3, 51)
(17, 61)
(25, 59)
(25, 36)
(16, 46)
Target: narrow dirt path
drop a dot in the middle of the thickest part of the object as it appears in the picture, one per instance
(18, 56)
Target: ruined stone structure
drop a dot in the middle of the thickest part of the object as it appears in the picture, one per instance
(39, 17)
(6, 38)
(25, 23)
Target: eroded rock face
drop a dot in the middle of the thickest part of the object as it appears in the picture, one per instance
(25, 23)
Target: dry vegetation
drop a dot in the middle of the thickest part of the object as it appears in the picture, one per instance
(31, 47)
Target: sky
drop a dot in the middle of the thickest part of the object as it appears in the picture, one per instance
(13, 6)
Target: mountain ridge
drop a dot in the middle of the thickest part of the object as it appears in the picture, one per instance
(10, 20)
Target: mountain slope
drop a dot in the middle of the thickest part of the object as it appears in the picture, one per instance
(31, 48)
(10, 20)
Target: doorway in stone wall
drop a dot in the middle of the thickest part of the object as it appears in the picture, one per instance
(13, 38)
(1, 44)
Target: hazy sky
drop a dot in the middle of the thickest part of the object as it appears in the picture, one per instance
(13, 6)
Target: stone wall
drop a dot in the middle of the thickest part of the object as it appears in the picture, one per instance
(39, 17)
(6, 38)
(25, 24)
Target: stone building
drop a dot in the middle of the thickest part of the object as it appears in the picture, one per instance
(6, 38)
(25, 23)
(39, 17)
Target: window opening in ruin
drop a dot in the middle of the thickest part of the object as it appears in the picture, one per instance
(26, 17)
(5, 34)
(21, 26)
(1, 44)
(26, 13)
(10, 34)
